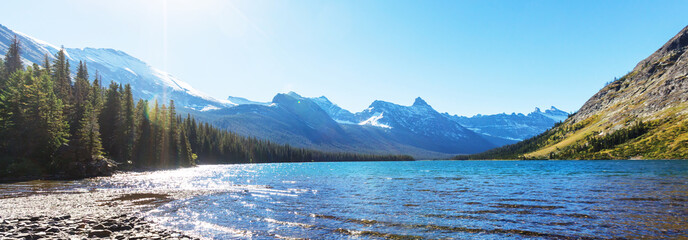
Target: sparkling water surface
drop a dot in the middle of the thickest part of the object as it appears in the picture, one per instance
(422, 199)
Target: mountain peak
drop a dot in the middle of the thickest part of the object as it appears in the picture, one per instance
(420, 102)
(324, 99)
(294, 94)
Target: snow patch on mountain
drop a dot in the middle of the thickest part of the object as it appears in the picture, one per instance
(375, 120)
(242, 101)
(209, 108)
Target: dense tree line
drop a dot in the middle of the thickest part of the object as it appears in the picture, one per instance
(213, 145)
(53, 124)
(595, 144)
(592, 147)
(516, 150)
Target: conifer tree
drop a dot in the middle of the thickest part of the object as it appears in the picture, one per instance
(128, 126)
(82, 90)
(143, 148)
(13, 57)
(111, 124)
(88, 134)
(163, 137)
(82, 71)
(156, 136)
(60, 73)
(46, 64)
(173, 137)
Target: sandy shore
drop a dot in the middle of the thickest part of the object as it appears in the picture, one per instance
(89, 214)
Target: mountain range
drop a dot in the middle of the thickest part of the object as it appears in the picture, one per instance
(642, 115)
(382, 128)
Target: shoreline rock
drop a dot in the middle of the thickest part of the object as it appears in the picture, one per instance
(125, 226)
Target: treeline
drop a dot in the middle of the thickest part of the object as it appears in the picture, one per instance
(516, 150)
(595, 144)
(51, 124)
(213, 145)
(592, 147)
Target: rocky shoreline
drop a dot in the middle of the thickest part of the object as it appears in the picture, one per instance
(125, 226)
(85, 209)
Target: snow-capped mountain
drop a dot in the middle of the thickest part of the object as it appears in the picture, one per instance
(504, 129)
(419, 118)
(383, 128)
(337, 113)
(113, 65)
(553, 113)
(423, 122)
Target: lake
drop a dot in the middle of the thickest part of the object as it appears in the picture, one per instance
(421, 199)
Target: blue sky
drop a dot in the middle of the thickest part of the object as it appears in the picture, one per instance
(462, 57)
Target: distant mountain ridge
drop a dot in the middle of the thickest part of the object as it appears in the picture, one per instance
(416, 122)
(511, 128)
(499, 129)
(289, 118)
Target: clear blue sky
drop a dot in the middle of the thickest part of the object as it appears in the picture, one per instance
(462, 57)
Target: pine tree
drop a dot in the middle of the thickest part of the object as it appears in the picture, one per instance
(110, 122)
(82, 71)
(97, 98)
(174, 148)
(128, 126)
(13, 57)
(187, 157)
(156, 136)
(82, 89)
(163, 137)
(143, 147)
(46, 64)
(60, 73)
(88, 134)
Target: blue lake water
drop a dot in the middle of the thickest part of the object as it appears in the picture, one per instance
(425, 199)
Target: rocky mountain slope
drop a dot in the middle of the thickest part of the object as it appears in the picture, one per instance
(383, 128)
(642, 115)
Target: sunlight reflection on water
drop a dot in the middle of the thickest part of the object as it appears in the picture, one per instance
(424, 199)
